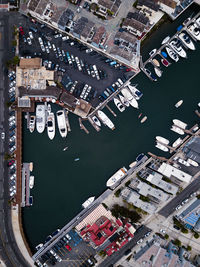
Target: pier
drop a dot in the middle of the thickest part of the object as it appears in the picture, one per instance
(25, 185)
(111, 111)
(67, 120)
(82, 126)
(197, 112)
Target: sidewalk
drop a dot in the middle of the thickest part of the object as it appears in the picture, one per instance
(18, 237)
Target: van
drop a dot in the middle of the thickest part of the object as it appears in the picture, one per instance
(33, 29)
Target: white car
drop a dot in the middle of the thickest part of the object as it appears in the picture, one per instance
(40, 40)
(89, 50)
(29, 41)
(58, 35)
(12, 193)
(163, 231)
(13, 177)
(47, 49)
(120, 81)
(49, 45)
(12, 123)
(178, 207)
(140, 241)
(12, 139)
(68, 236)
(42, 47)
(12, 149)
(54, 47)
(11, 118)
(49, 64)
(12, 89)
(65, 38)
(31, 35)
(2, 135)
(72, 43)
(12, 84)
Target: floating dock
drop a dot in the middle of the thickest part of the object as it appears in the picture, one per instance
(25, 185)
(67, 120)
(82, 126)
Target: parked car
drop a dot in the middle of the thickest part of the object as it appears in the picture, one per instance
(21, 30)
(68, 247)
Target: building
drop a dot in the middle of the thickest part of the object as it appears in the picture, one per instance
(133, 198)
(108, 7)
(192, 149)
(84, 29)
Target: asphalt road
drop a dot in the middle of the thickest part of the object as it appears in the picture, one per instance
(171, 206)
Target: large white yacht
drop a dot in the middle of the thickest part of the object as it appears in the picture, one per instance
(177, 142)
(88, 202)
(124, 101)
(177, 130)
(131, 99)
(162, 140)
(161, 147)
(135, 92)
(172, 54)
(186, 40)
(179, 123)
(51, 125)
(61, 120)
(40, 118)
(115, 178)
(194, 31)
(177, 47)
(118, 104)
(104, 118)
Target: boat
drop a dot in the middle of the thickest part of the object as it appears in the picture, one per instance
(40, 118)
(195, 129)
(118, 104)
(194, 31)
(115, 178)
(165, 62)
(192, 162)
(139, 157)
(130, 98)
(31, 182)
(179, 103)
(124, 101)
(162, 140)
(165, 40)
(156, 62)
(77, 159)
(198, 104)
(31, 166)
(32, 123)
(61, 120)
(88, 202)
(143, 119)
(179, 123)
(177, 130)
(135, 92)
(161, 147)
(51, 125)
(139, 115)
(151, 75)
(104, 118)
(65, 148)
(186, 40)
(30, 200)
(177, 142)
(152, 52)
(164, 54)
(96, 121)
(158, 71)
(48, 108)
(183, 162)
(133, 164)
(177, 47)
(172, 54)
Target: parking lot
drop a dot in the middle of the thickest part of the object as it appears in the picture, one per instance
(78, 65)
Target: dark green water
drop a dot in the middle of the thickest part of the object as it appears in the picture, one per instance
(61, 184)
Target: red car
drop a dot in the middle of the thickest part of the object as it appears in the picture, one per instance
(21, 30)
(11, 162)
(68, 247)
(129, 69)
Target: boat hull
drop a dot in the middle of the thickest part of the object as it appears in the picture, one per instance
(51, 129)
(106, 121)
(61, 121)
(40, 118)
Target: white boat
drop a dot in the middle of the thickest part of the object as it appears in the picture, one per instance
(31, 166)
(115, 178)
(143, 119)
(165, 40)
(161, 147)
(194, 31)
(192, 162)
(51, 125)
(96, 121)
(179, 103)
(118, 104)
(177, 47)
(133, 164)
(156, 62)
(172, 54)
(124, 101)
(152, 52)
(40, 118)
(31, 181)
(186, 40)
(183, 162)
(104, 118)
(32, 123)
(177, 142)
(179, 123)
(61, 120)
(48, 108)
(135, 92)
(65, 148)
(177, 130)
(198, 104)
(127, 94)
(158, 71)
(162, 140)
(88, 202)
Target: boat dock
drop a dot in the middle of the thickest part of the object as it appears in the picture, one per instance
(82, 126)
(67, 120)
(25, 185)
(97, 128)
(197, 112)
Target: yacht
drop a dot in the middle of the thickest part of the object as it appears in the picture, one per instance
(118, 104)
(162, 147)
(156, 62)
(32, 123)
(143, 119)
(177, 142)
(172, 54)
(124, 101)
(31, 182)
(104, 118)
(152, 52)
(127, 94)
(165, 62)
(115, 178)
(88, 202)
(194, 31)
(40, 118)
(151, 75)
(186, 40)
(179, 123)
(177, 47)
(96, 121)
(177, 130)
(158, 71)
(162, 140)
(61, 120)
(51, 125)
(179, 103)
(192, 162)
(165, 40)
(135, 92)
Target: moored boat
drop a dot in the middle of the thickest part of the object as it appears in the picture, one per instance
(162, 140)
(31, 182)
(151, 75)
(177, 47)
(124, 101)
(156, 62)
(152, 52)
(186, 40)
(118, 104)
(31, 166)
(172, 54)
(179, 103)
(143, 119)
(158, 71)
(129, 97)
(165, 40)
(48, 108)
(194, 31)
(96, 121)
(177, 130)
(179, 123)
(177, 142)
(135, 92)
(88, 202)
(104, 118)
(51, 125)
(115, 178)
(61, 120)
(161, 147)
(32, 123)
(40, 118)
(192, 162)
(165, 62)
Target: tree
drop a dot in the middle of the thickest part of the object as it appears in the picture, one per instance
(14, 42)
(102, 253)
(15, 60)
(196, 235)
(145, 199)
(177, 242)
(109, 12)
(7, 156)
(198, 196)
(185, 231)
(127, 183)
(118, 211)
(189, 248)
(117, 193)
(166, 236)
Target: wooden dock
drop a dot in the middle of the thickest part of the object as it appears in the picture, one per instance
(67, 120)
(113, 113)
(97, 128)
(82, 126)
(197, 112)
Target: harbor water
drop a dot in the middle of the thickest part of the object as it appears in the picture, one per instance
(62, 184)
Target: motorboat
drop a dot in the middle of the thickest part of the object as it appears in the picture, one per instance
(31, 166)
(139, 115)
(124, 101)
(152, 52)
(158, 71)
(51, 125)
(192, 162)
(198, 104)
(162, 147)
(117, 177)
(133, 164)
(139, 157)
(179, 123)
(88, 202)
(31, 181)
(32, 123)
(162, 140)
(172, 54)
(61, 120)
(165, 62)
(197, 21)
(143, 119)
(96, 121)
(177, 47)
(182, 161)
(76, 159)
(40, 118)
(186, 40)
(151, 75)
(104, 118)
(177, 130)
(165, 40)
(177, 142)
(118, 104)
(156, 62)
(164, 54)
(65, 148)
(135, 92)
(179, 103)
(31, 200)
(130, 98)
(49, 108)
(194, 31)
